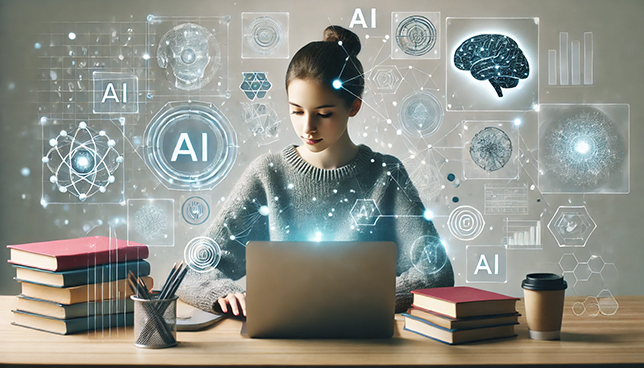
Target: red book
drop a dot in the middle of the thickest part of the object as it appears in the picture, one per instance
(463, 301)
(68, 254)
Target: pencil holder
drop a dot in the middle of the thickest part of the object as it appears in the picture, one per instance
(155, 322)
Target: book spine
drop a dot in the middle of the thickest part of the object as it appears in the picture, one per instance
(105, 273)
(99, 322)
(74, 261)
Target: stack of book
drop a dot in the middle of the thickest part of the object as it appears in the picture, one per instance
(460, 314)
(77, 285)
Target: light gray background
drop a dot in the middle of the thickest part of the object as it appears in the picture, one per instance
(619, 50)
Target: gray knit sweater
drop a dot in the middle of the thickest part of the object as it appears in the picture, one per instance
(281, 197)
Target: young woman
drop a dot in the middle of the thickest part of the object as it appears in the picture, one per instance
(322, 189)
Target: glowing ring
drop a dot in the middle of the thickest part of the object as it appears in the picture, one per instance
(264, 35)
(202, 254)
(465, 223)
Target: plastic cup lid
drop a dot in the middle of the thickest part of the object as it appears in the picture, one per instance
(544, 281)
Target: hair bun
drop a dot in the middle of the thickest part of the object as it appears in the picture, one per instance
(350, 40)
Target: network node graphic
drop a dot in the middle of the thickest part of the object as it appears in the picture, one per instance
(190, 55)
(465, 223)
(195, 210)
(82, 162)
(428, 254)
(571, 226)
(202, 254)
(190, 145)
(385, 79)
(262, 120)
(365, 212)
(420, 114)
(255, 85)
(495, 58)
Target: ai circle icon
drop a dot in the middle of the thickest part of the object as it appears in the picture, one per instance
(190, 145)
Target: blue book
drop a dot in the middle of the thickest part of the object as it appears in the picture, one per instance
(73, 325)
(454, 336)
(82, 276)
(68, 311)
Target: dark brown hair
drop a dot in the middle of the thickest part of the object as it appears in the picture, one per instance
(333, 58)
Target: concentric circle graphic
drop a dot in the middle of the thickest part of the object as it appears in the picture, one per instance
(202, 254)
(264, 35)
(416, 35)
(420, 114)
(428, 254)
(190, 146)
(195, 210)
(465, 223)
(82, 162)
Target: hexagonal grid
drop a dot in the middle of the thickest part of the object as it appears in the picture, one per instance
(365, 212)
(571, 226)
(568, 262)
(255, 85)
(385, 79)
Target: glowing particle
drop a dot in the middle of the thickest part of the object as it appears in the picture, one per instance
(428, 215)
(337, 84)
(263, 210)
(37, 46)
(517, 122)
(25, 171)
(72, 35)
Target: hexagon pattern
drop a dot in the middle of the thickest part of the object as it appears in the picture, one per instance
(571, 226)
(365, 212)
(385, 79)
(255, 85)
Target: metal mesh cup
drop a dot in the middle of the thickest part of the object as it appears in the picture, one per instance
(155, 322)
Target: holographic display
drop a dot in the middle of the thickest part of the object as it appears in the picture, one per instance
(416, 35)
(495, 58)
(265, 35)
(195, 210)
(190, 145)
(490, 150)
(81, 162)
(190, 54)
(262, 122)
(584, 148)
(255, 85)
(420, 114)
(202, 254)
(428, 254)
(151, 221)
(385, 79)
(465, 223)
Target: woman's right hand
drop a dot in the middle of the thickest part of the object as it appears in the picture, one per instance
(235, 302)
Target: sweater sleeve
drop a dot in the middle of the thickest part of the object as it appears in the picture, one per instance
(422, 259)
(238, 221)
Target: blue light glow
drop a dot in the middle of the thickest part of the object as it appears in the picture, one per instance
(337, 84)
(428, 215)
(582, 147)
(263, 210)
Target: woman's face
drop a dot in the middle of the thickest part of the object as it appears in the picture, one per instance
(318, 115)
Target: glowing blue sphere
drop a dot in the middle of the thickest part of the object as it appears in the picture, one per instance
(82, 161)
(337, 84)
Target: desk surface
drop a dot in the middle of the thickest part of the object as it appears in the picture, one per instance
(585, 340)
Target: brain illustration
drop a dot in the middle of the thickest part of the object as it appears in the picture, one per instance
(493, 57)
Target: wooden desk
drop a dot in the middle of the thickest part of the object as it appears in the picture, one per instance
(585, 340)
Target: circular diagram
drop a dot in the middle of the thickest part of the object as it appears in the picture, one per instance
(190, 55)
(491, 149)
(428, 254)
(416, 35)
(195, 210)
(202, 254)
(582, 148)
(420, 114)
(465, 223)
(264, 35)
(83, 162)
(190, 146)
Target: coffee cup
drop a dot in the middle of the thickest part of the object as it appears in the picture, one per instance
(544, 298)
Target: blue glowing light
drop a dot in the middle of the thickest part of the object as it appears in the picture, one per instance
(263, 210)
(517, 122)
(582, 147)
(428, 215)
(82, 161)
(337, 84)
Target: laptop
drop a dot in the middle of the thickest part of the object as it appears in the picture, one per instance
(320, 289)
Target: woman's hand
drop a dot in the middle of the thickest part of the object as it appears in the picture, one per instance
(235, 301)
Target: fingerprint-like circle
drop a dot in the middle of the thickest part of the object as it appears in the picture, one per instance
(264, 35)
(466, 223)
(202, 254)
(416, 35)
(491, 149)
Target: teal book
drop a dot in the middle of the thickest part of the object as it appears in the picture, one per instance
(67, 311)
(73, 325)
(457, 336)
(82, 276)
